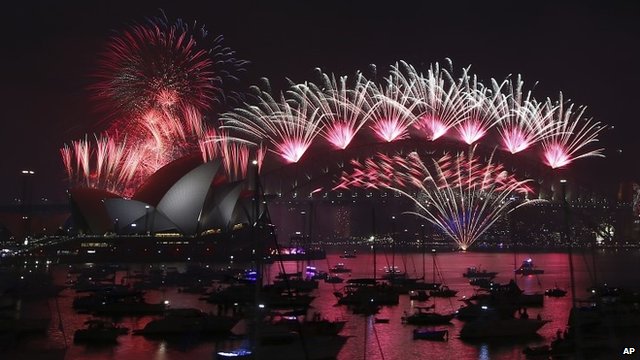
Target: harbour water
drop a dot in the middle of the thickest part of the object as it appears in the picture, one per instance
(368, 339)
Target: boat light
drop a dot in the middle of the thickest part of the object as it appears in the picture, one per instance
(484, 307)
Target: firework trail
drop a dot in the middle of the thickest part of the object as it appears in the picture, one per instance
(290, 125)
(161, 136)
(571, 135)
(101, 163)
(342, 109)
(235, 153)
(464, 195)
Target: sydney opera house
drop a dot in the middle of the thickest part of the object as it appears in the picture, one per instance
(185, 197)
(182, 210)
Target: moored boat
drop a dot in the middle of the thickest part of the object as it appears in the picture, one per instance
(475, 273)
(339, 268)
(99, 331)
(425, 315)
(430, 334)
(348, 255)
(528, 268)
(555, 292)
(188, 321)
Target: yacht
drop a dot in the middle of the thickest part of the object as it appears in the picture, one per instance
(475, 273)
(188, 321)
(98, 331)
(528, 268)
(425, 315)
(339, 268)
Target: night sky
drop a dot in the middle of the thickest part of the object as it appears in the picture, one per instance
(588, 51)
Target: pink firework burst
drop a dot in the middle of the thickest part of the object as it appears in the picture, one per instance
(432, 126)
(390, 129)
(289, 125)
(483, 103)
(291, 150)
(339, 134)
(440, 100)
(471, 131)
(155, 64)
(524, 120)
(556, 155)
(341, 106)
(571, 135)
(391, 110)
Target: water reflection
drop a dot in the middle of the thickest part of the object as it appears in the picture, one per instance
(391, 341)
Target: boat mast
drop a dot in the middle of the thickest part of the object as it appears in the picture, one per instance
(258, 253)
(393, 247)
(423, 250)
(373, 238)
(565, 231)
(567, 239)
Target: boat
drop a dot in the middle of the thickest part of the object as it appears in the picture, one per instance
(418, 295)
(316, 325)
(424, 315)
(555, 292)
(475, 273)
(348, 255)
(188, 321)
(134, 306)
(364, 291)
(528, 268)
(430, 334)
(486, 327)
(339, 268)
(393, 272)
(443, 291)
(381, 320)
(334, 279)
(99, 331)
(294, 253)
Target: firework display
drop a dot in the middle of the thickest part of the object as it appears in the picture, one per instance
(161, 64)
(157, 81)
(460, 194)
(412, 104)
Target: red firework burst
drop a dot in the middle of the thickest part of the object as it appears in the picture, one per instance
(155, 65)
